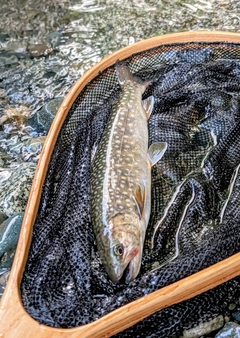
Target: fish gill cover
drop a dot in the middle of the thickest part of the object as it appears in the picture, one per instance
(195, 214)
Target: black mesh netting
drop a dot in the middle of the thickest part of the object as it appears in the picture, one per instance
(195, 216)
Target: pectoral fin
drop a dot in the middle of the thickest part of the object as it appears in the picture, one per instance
(140, 198)
(156, 151)
(148, 106)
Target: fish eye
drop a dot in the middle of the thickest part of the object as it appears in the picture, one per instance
(118, 250)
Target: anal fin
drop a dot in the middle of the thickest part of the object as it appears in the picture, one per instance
(140, 198)
(156, 151)
(148, 104)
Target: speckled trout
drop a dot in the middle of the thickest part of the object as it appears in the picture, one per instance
(121, 180)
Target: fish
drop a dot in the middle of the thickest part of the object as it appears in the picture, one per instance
(121, 180)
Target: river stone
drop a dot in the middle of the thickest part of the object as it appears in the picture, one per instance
(236, 315)
(4, 100)
(54, 39)
(230, 330)
(4, 37)
(52, 106)
(3, 217)
(42, 120)
(39, 49)
(15, 182)
(3, 95)
(232, 306)
(32, 148)
(20, 147)
(204, 328)
(4, 274)
(4, 157)
(9, 233)
(8, 60)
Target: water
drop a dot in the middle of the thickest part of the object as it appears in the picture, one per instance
(46, 46)
(74, 35)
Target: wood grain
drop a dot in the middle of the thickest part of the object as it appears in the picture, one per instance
(14, 320)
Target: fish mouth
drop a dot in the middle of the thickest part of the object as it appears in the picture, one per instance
(129, 273)
(123, 277)
(132, 269)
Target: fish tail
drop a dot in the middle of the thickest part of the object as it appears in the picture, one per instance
(124, 74)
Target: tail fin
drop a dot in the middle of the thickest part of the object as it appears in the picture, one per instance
(124, 74)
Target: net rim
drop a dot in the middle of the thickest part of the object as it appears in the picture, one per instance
(14, 316)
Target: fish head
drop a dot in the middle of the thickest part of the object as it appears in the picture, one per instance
(125, 247)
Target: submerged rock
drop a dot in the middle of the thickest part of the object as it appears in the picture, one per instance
(230, 330)
(3, 37)
(8, 60)
(4, 274)
(15, 182)
(39, 49)
(20, 147)
(52, 106)
(14, 120)
(3, 95)
(236, 315)
(32, 149)
(2, 217)
(42, 120)
(54, 39)
(9, 233)
(4, 157)
(15, 116)
(4, 100)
